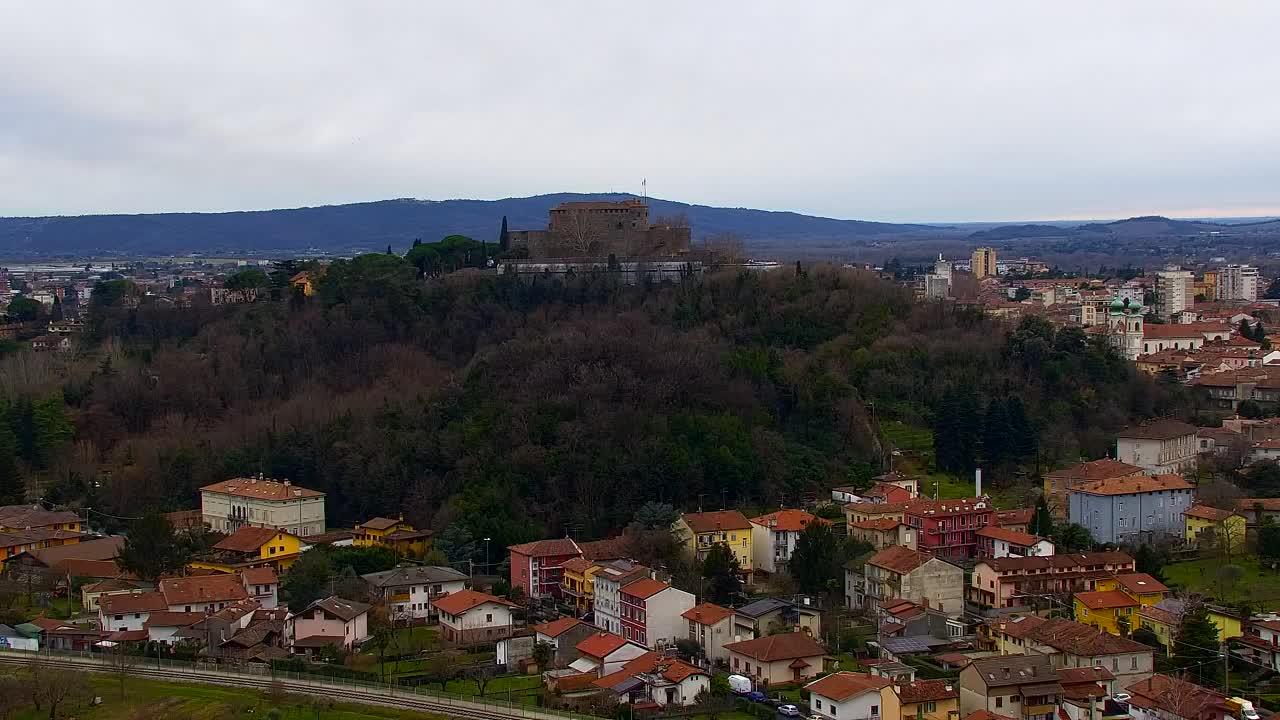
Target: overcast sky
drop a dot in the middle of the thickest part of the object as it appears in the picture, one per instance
(871, 110)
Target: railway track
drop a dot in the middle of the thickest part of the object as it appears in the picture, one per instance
(390, 697)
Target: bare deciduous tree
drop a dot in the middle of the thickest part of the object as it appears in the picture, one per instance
(56, 689)
(725, 248)
(577, 233)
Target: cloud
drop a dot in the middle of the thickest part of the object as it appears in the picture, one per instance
(946, 111)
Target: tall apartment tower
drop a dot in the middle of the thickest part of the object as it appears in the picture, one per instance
(1238, 282)
(983, 263)
(1174, 292)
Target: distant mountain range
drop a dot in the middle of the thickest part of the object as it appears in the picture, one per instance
(374, 225)
(359, 227)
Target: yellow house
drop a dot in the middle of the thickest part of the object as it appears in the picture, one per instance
(251, 547)
(930, 700)
(395, 534)
(34, 517)
(578, 582)
(1105, 608)
(697, 532)
(1141, 587)
(1161, 622)
(305, 281)
(1229, 624)
(1225, 527)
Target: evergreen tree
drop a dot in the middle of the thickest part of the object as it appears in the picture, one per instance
(12, 488)
(1149, 560)
(389, 249)
(945, 449)
(1042, 520)
(51, 429)
(815, 562)
(997, 440)
(1268, 539)
(968, 430)
(721, 570)
(504, 240)
(1022, 432)
(1195, 651)
(1246, 330)
(151, 548)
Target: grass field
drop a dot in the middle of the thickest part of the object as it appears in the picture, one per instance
(1255, 583)
(151, 700)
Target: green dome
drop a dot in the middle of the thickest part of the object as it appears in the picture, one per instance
(1117, 305)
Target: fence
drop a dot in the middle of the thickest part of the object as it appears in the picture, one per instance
(200, 671)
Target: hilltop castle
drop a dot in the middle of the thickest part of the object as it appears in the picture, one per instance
(601, 229)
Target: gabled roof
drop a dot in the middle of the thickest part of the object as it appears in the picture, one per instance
(110, 585)
(1016, 516)
(1019, 627)
(99, 549)
(1169, 331)
(1105, 599)
(30, 516)
(650, 663)
(166, 618)
(261, 489)
(553, 547)
(202, 589)
(880, 524)
(248, 539)
(706, 613)
(716, 520)
(259, 576)
(379, 523)
(93, 568)
(413, 575)
(1140, 583)
(785, 646)
(600, 645)
(929, 690)
(841, 686)
(788, 520)
(1177, 697)
(1213, 514)
(1062, 562)
(899, 559)
(132, 603)
(1012, 537)
(1159, 429)
(1096, 470)
(464, 600)
(577, 565)
(343, 609)
(1006, 670)
(1091, 674)
(644, 587)
(557, 627)
(1082, 640)
(1135, 484)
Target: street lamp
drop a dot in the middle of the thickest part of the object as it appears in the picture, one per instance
(486, 555)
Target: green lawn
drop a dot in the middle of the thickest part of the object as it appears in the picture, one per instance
(1255, 583)
(414, 639)
(908, 438)
(176, 701)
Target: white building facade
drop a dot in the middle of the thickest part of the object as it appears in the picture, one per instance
(231, 504)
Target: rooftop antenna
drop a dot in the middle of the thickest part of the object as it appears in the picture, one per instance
(644, 188)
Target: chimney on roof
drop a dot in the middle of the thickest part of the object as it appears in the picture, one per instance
(287, 483)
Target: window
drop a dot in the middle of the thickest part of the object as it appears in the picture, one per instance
(273, 550)
(875, 711)
(1015, 698)
(1121, 508)
(1133, 663)
(1115, 663)
(187, 608)
(930, 706)
(999, 702)
(488, 617)
(119, 617)
(817, 704)
(833, 711)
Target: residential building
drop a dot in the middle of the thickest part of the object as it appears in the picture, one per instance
(563, 635)
(1071, 644)
(711, 626)
(331, 621)
(915, 575)
(910, 483)
(880, 533)
(1012, 686)
(771, 615)
(948, 528)
(1231, 623)
(863, 511)
(1174, 292)
(884, 492)
(251, 546)
(929, 699)
(773, 659)
(849, 695)
(90, 593)
(773, 537)
(1260, 643)
(1163, 619)
(1238, 282)
(1059, 483)
(1132, 509)
(1016, 519)
(1161, 697)
(537, 567)
(653, 678)
(607, 592)
(469, 616)
(1000, 542)
(393, 533)
(231, 504)
(1111, 611)
(697, 532)
(1214, 527)
(17, 542)
(983, 263)
(1024, 581)
(605, 653)
(651, 612)
(1086, 692)
(1143, 588)
(577, 584)
(202, 593)
(129, 611)
(408, 591)
(35, 517)
(1226, 390)
(262, 585)
(1159, 447)
(846, 494)
(163, 626)
(1255, 510)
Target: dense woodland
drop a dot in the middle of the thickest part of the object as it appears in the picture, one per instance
(519, 410)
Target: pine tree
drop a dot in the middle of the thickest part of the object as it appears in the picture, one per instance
(815, 562)
(12, 488)
(1246, 330)
(1023, 433)
(151, 548)
(721, 570)
(1195, 651)
(1042, 520)
(968, 430)
(997, 438)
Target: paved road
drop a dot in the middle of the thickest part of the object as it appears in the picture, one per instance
(389, 696)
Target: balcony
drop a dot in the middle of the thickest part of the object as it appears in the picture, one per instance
(399, 597)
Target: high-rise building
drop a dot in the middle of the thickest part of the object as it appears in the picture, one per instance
(1238, 282)
(983, 263)
(1174, 292)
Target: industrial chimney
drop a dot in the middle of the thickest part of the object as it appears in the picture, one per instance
(977, 482)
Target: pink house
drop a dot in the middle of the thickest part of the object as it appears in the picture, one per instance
(536, 566)
(331, 621)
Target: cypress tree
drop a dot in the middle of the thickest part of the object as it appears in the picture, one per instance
(996, 436)
(1023, 434)
(967, 429)
(1042, 520)
(504, 240)
(12, 490)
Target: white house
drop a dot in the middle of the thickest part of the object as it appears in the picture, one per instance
(606, 588)
(470, 616)
(651, 612)
(853, 696)
(262, 584)
(331, 621)
(231, 504)
(202, 593)
(711, 626)
(408, 592)
(117, 613)
(652, 677)
(773, 537)
(161, 626)
(998, 542)
(1159, 446)
(849, 494)
(605, 653)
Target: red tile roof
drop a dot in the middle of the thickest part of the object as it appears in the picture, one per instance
(707, 613)
(788, 520)
(248, 539)
(1140, 583)
(557, 627)
(1159, 429)
(929, 690)
(464, 600)
(261, 489)
(1170, 331)
(881, 524)
(899, 559)
(1105, 599)
(260, 576)
(554, 547)
(1096, 470)
(379, 523)
(844, 685)
(578, 565)
(716, 521)
(206, 589)
(165, 618)
(600, 645)
(784, 646)
(1135, 484)
(1017, 516)
(1010, 536)
(1082, 640)
(644, 587)
(1204, 512)
(132, 603)
(670, 669)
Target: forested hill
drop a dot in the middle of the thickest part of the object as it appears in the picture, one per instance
(374, 225)
(522, 410)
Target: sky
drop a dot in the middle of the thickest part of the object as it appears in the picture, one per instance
(895, 111)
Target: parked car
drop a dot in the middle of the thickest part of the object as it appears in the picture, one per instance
(789, 710)
(739, 684)
(1122, 697)
(756, 696)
